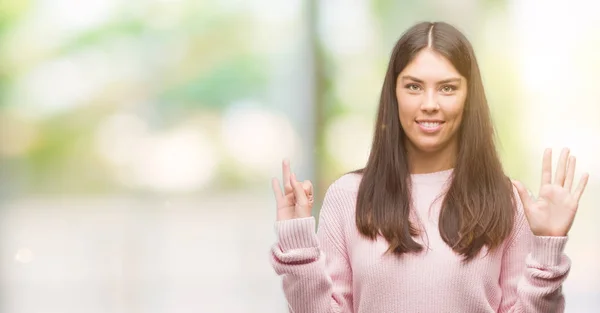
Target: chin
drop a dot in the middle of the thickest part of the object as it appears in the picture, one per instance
(430, 146)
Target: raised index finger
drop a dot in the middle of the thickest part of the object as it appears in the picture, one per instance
(287, 183)
(277, 192)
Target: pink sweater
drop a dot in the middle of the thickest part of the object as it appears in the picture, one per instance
(337, 270)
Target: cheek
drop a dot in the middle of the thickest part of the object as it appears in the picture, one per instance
(453, 107)
(408, 107)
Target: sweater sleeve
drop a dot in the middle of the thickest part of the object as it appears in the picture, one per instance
(315, 268)
(533, 271)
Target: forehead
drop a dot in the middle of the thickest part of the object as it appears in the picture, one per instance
(429, 65)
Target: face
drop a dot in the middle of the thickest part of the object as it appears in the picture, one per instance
(431, 98)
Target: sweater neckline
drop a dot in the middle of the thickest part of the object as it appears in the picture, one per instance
(433, 177)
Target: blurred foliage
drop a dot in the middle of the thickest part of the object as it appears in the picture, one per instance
(217, 65)
(65, 159)
(10, 13)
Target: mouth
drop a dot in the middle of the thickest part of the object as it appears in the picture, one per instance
(430, 126)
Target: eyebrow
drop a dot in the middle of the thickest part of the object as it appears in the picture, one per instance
(448, 80)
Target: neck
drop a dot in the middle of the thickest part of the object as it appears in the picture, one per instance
(423, 162)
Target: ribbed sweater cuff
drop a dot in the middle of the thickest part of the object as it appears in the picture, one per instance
(296, 233)
(547, 250)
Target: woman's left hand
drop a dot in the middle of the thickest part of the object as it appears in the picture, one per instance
(553, 212)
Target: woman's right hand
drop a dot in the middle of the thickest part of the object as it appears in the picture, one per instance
(296, 199)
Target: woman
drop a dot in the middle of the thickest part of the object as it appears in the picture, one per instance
(432, 223)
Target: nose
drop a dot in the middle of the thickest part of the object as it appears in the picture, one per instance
(430, 103)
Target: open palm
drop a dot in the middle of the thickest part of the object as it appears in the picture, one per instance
(553, 212)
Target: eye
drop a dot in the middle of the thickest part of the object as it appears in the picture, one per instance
(412, 87)
(448, 89)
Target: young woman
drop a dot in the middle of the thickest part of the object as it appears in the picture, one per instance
(431, 224)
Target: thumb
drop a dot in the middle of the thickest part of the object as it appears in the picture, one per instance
(524, 195)
(308, 188)
(302, 204)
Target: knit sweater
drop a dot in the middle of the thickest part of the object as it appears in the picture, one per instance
(337, 270)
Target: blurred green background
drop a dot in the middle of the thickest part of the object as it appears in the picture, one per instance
(138, 138)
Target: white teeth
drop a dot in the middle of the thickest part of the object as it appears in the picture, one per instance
(430, 124)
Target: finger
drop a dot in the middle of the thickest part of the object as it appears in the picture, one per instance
(547, 167)
(581, 187)
(287, 185)
(308, 188)
(301, 198)
(277, 191)
(561, 167)
(526, 198)
(570, 173)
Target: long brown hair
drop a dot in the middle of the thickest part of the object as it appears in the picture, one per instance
(478, 207)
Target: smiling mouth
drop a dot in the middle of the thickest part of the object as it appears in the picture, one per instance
(430, 124)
